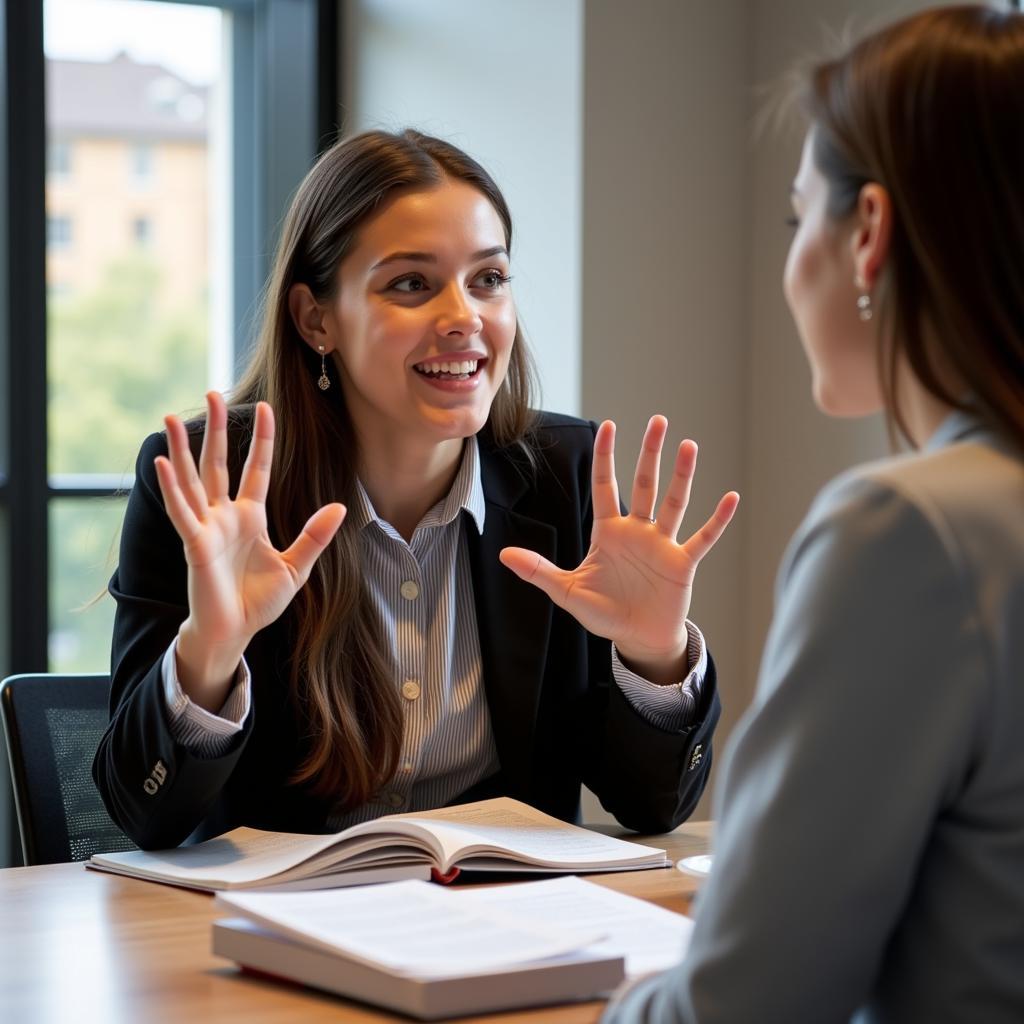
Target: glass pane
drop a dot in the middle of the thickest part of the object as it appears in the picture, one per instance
(136, 134)
(83, 554)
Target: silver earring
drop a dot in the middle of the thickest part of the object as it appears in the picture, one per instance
(864, 310)
(324, 382)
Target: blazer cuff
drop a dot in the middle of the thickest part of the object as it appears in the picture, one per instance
(671, 707)
(197, 729)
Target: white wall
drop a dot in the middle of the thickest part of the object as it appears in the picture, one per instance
(504, 82)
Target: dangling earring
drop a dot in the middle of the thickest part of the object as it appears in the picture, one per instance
(324, 382)
(864, 310)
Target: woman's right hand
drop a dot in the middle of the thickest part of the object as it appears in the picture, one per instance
(238, 582)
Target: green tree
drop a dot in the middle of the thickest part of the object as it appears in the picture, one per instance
(119, 359)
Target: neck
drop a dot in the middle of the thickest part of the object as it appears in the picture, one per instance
(922, 412)
(404, 481)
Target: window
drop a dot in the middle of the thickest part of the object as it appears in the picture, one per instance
(83, 377)
(58, 159)
(58, 231)
(141, 161)
(142, 231)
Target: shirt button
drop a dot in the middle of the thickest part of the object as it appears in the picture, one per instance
(410, 590)
(407, 767)
(395, 799)
(410, 689)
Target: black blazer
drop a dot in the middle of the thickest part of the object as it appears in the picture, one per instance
(558, 718)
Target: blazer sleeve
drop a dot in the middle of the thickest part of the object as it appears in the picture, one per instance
(649, 778)
(868, 713)
(154, 788)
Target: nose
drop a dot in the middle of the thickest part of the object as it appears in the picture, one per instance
(456, 313)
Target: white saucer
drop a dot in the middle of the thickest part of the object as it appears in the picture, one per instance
(699, 866)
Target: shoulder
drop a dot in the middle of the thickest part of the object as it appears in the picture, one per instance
(550, 468)
(240, 421)
(930, 541)
(951, 499)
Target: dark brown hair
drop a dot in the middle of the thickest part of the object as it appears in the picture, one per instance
(932, 109)
(341, 671)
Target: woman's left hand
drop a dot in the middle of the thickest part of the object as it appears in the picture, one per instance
(635, 584)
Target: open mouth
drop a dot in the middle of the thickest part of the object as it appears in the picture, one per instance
(449, 369)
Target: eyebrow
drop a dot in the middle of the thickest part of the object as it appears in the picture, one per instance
(427, 257)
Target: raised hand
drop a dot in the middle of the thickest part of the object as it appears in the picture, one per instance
(635, 584)
(238, 582)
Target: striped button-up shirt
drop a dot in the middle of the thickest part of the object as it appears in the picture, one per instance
(422, 591)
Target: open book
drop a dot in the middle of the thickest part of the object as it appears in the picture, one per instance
(491, 835)
(437, 953)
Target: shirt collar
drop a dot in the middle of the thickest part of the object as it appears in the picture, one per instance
(466, 492)
(956, 426)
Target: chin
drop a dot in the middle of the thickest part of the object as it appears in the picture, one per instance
(844, 403)
(457, 423)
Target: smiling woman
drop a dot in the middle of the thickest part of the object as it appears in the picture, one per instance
(341, 639)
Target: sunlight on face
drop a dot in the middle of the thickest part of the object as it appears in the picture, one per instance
(424, 316)
(819, 283)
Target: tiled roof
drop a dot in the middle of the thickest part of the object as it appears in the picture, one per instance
(124, 99)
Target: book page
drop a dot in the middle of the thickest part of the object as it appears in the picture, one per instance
(240, 856)
(648, 936)
(536, 838)
(414, 928)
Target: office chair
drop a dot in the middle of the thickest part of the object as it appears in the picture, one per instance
(53, 725)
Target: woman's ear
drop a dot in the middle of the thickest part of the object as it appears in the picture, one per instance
(308, 317)
(872, 233)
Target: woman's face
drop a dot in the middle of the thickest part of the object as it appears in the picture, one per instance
(424, 320)
(819, 283)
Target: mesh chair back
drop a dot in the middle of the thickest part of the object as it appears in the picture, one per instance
(53, 725)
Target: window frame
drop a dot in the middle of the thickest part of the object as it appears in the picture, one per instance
(269, 40)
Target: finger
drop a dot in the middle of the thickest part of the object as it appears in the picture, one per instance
(645, 479)
(604, 488)
(318, 532)
(256, 472)
(213, 458)
(185, 466)
(536, 569)
(677, 497)
(707, 536)
(178, 511)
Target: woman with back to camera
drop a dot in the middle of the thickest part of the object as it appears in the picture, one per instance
(410, 669)
(870, 850)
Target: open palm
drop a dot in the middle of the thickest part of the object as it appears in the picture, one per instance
(238, 582)
(635, 583)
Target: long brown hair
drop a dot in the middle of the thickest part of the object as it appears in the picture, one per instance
(932, 108)
(341, 672)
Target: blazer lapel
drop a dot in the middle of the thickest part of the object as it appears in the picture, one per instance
(513, 617)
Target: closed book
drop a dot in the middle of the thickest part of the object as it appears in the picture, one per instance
(569, 978)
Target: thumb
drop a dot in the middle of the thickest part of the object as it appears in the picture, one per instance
(535, 569)
(318, 532)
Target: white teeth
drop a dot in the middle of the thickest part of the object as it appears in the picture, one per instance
(455, 368)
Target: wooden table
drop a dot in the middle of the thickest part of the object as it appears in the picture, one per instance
(78, 945)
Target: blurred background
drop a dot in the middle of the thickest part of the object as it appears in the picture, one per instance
(148, 151)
